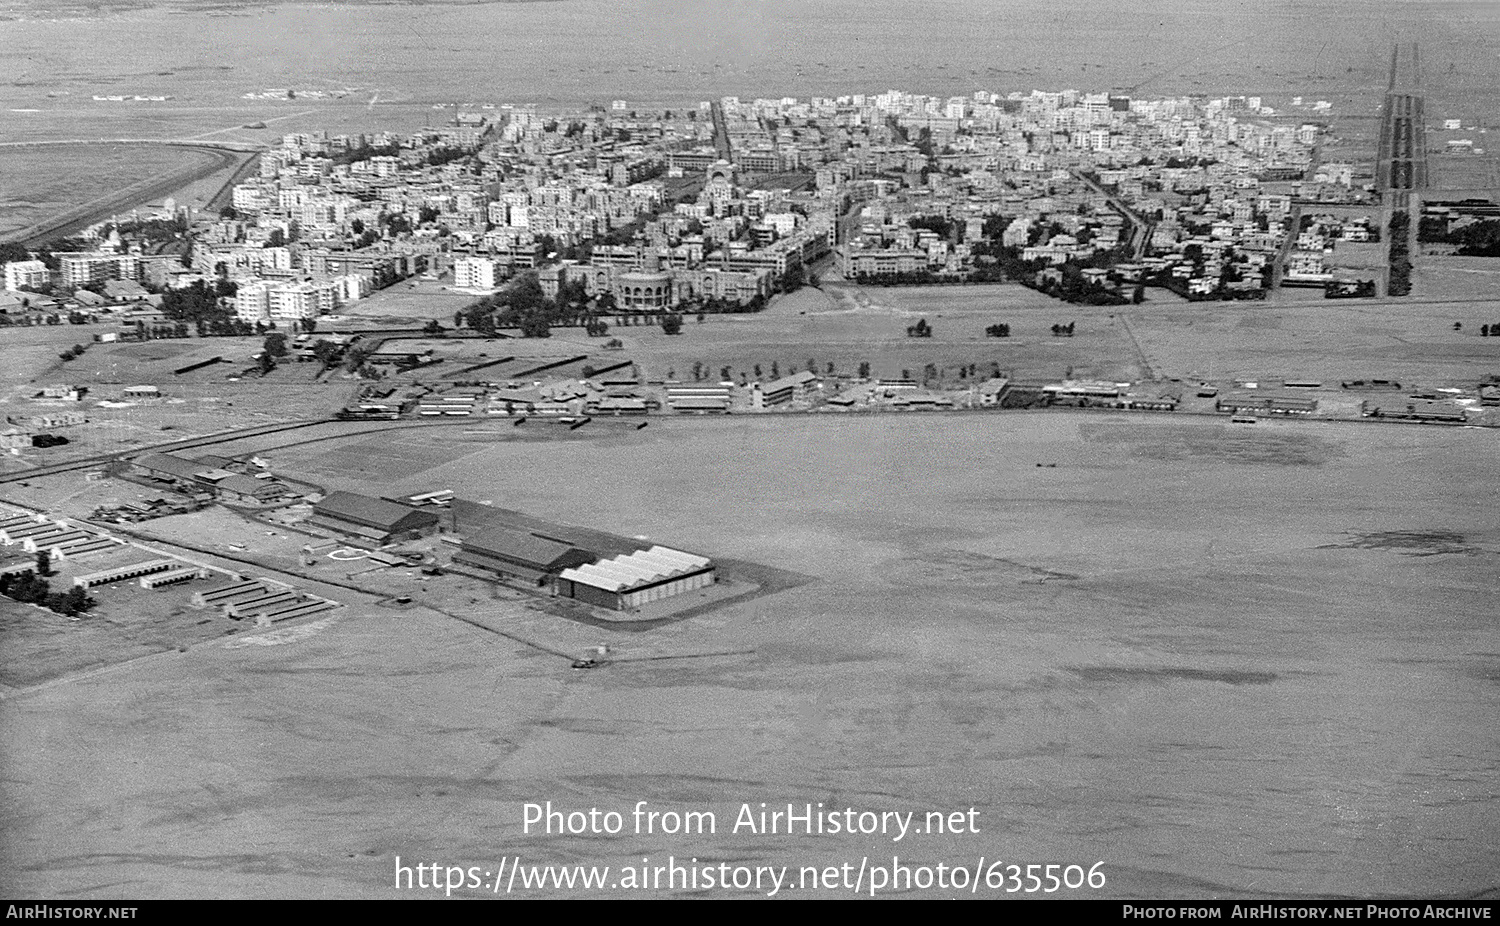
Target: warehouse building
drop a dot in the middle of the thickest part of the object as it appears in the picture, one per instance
(1084, 393)
(1415, 410)
(372, 520)
(521, 555)
(710, 397)
(1261, 403)
(623, 583)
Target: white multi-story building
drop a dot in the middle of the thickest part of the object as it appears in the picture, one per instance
(1016, 234)
(275, 258)
(262, 301)
(252, 197)
(84, 269)
(352, 287)
(475, 273)
(290, 199)
(32, 274)
(252, 302)
(291, 302)
(385, 165)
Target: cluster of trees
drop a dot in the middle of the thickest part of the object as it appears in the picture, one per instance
(364, 152)
(437, 157)
(907, 278)
(48, 252)
(582, 252)
(355, 357)
(1433, 229)
(31, 588)
(714, 305)
(1400, 278)
(793, 280)
(200, 303)
(997, 331)
(523, 305)
(1477, 239)
(271, 350)
(154, 231)
(1063, 331)
(326, 353)
(920, 330)
(23, 321)
(1075, 289)
(623, 234)
(75, 351)
(1349, 289)
(1489, 331)
(933, 223)
(1221, 293)
(179, 330)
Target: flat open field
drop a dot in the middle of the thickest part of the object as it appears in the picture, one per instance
(59, 190)
(38, 183)
(410, 300)
(1328, 340)
(1297, 336)
(1226, 662)
(847, 325)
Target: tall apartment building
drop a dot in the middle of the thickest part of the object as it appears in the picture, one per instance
(252, 302)
(28, 273)
(82, 269)
(475, 273)
(352, 287)
(290, 302)
(286, 302)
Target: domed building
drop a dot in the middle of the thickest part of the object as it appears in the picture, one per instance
(644, 290)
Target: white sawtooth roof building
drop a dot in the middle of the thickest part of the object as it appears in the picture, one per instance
(646, 567)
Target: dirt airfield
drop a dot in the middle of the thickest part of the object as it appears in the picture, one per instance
(1223, 661)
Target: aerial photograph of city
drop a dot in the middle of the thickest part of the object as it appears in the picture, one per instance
(730, 449)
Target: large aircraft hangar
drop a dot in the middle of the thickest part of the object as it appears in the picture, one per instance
(625, 582)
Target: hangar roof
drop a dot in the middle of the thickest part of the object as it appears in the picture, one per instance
(539, 552)
(372, 512)
(647, 567)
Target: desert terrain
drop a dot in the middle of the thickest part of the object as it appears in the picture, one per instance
(1225, 662)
